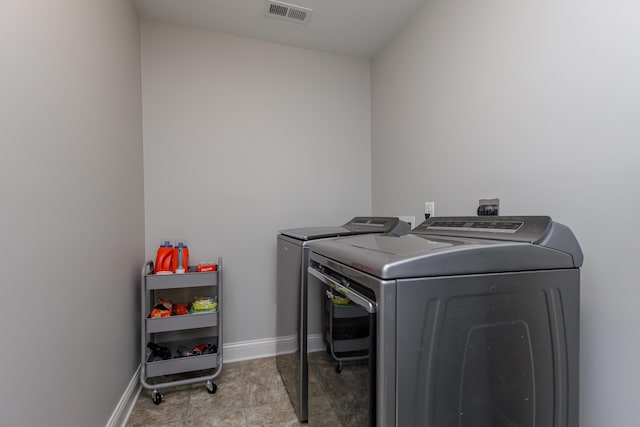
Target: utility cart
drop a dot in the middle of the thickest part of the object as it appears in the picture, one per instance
(346, 327)
(181, 348)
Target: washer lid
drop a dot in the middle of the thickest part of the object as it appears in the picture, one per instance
(424, 255)
(311, 233)
(358, 225)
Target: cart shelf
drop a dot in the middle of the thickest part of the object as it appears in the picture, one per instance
(188, 280)
(178, 323)
(182, 364)
(158, 367)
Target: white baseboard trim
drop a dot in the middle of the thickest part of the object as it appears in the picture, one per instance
(231, 352)
(257, 349)
(268, 347)
(128, 400)
(315, 343)
(254, 349)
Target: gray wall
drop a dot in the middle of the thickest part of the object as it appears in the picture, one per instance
(71, 212)
(537, 103)
(243, 138)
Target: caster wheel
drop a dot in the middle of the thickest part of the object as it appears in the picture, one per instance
(339, 367)
(211, 387)
(156, 397)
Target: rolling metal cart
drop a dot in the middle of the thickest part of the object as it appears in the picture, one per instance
(180, 349)
(346, 330)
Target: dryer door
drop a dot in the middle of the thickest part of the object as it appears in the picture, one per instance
(342, 383)
(496, 350)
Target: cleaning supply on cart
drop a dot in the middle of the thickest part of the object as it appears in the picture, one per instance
(180, 309)
(180, 258)
(204, 304)
(180, 268)
(183, 351)
(160, 351)
(199, 350)
(207, 267)
(163, 258)
(161, 309)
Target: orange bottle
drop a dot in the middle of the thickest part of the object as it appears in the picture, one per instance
(180, 258)
(164, 257)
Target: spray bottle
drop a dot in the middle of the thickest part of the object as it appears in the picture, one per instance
(180, 259)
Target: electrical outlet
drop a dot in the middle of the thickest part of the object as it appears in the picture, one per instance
(429, 209)
(488, 207)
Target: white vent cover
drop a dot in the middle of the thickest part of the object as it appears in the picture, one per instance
(290, 12)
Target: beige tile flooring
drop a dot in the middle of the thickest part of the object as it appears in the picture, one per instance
(249, 394)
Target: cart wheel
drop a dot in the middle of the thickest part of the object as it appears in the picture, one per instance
(156, 397)
(339, 367)
(211, 387)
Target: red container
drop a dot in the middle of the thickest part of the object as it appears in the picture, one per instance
(163, 258)
(206, 268)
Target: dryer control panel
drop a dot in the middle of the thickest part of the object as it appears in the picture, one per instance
(512, 228)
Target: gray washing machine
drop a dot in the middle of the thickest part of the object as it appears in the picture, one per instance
(473, 322)
(292, 315)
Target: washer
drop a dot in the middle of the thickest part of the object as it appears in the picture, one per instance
(292, 315)
(473, 322)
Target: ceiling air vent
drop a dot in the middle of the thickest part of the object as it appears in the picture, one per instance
(290, 12)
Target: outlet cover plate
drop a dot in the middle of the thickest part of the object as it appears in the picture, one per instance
(430, 208)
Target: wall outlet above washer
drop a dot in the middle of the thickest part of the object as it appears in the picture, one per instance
(488, 207)
(429, 209)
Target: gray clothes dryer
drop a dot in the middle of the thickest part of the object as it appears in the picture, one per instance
(292, 315)
(473, 322)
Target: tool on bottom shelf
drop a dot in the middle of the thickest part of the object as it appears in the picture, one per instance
(206, 348)
(160, 351)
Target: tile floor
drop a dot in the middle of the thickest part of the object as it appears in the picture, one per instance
(249, 394)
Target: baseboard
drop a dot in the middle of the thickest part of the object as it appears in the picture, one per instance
(269, 347)
(257, 349)
(232, 352)
(315, 343)
(128, 400)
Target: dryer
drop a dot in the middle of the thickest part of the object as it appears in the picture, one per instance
(474, 322)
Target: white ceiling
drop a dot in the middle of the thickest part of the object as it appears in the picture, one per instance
(358, 28)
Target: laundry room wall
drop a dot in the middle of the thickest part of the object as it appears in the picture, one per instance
(536, 103)
(243, 138)
(71, 209)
